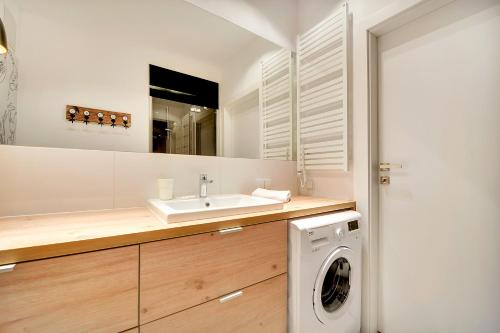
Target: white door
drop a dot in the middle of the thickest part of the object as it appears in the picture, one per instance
(439, 115)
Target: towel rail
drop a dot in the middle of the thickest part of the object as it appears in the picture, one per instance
(322, 95)
(277, 106)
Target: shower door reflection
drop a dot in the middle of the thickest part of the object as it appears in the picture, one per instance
(180, 128)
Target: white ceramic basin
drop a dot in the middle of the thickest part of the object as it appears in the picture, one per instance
(179, 210)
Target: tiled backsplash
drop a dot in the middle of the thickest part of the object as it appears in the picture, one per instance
(48, 180)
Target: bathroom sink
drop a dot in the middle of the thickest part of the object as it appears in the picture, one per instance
(179, 210)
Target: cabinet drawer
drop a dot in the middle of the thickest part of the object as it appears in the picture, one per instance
(183, 272)
(91, 292)
(259, 308)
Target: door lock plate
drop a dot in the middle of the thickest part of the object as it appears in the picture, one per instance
(384, 180)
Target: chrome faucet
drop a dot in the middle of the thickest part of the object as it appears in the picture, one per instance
(203, 184)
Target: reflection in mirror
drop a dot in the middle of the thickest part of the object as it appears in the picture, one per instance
(183, 113)
(95, 54)
(278, 118)
(258, 108)
(242, 126)
(180, 128)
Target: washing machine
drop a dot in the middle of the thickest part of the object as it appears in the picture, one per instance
(325, 274)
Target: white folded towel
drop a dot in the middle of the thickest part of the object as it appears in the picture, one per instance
(283, 196)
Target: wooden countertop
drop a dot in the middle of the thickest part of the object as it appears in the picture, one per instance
(24, 238)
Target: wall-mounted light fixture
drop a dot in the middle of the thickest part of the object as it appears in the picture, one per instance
(3, 39)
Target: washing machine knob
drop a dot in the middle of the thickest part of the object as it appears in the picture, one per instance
(340, 233)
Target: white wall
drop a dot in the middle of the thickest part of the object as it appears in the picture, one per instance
(312, 12)
(241, 74)
(242, 127)
(246, 131)
(49, 180)
(274, 20)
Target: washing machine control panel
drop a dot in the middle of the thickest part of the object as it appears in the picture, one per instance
(323, 237)
(319, 238)
(353, 225)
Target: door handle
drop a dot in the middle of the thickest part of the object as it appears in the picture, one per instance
(230, 296)
(389, 166)
(7, 268)
(230, 230)
(386, 167)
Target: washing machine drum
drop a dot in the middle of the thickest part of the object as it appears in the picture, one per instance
(333, 286)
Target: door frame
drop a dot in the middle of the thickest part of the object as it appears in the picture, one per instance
(365, 143)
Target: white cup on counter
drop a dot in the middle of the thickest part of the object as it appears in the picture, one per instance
(165, 188)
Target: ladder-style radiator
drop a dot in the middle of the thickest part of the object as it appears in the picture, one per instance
(322, 95)
(277, 106)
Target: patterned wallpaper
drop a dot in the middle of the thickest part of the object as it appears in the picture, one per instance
(8, 98)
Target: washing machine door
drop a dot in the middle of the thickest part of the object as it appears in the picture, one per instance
(333, 285)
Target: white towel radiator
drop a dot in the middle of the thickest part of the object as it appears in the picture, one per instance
(277, 106)
(322, 95)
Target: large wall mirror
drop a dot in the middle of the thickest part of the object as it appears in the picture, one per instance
(177, 79)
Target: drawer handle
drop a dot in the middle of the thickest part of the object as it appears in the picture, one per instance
(230, 230)
(230, 297)
(7, 268)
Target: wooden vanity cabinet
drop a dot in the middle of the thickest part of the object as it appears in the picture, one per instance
(232, 280)
(180, 273)
(259, 308)
(90, 292)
